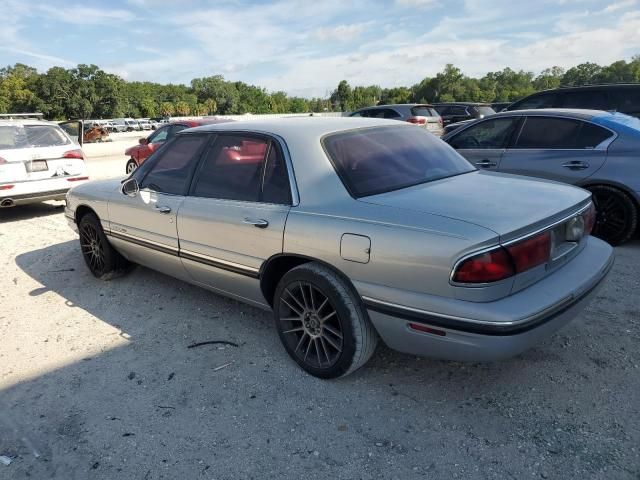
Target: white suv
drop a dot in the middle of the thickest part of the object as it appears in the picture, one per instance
(39, 161)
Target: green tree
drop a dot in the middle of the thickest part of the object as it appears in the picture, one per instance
(582, 74)
(167, 109)
(549, 78)
(182, 109)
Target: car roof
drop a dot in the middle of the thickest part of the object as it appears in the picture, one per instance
(594, 86)
(200, 122)
(387, 105)
(484, 104)
(583, 114)
(311, 127)
(25, 122)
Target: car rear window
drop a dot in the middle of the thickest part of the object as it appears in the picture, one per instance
(484, 110)
(25, 136)
(424, 111)
(381, 159)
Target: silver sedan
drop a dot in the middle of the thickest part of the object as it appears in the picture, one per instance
(351, 230)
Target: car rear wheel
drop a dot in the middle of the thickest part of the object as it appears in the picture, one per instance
(616, 214)
(322, 323)
(102, 259)
(131, 165)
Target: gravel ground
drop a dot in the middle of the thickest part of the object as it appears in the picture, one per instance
(97, 381)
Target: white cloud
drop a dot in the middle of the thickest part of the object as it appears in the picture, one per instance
(81, 15)
(614, 7)
(416, 3)
(340, 33)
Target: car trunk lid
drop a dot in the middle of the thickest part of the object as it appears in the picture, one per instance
(509, 205)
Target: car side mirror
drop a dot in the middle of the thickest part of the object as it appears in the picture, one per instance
(143, 141)
(130, 187)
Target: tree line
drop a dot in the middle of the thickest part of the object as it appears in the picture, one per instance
(86, 91)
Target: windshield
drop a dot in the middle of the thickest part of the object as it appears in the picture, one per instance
(381, 159)
(24, 136)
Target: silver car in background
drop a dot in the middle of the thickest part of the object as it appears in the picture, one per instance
(593, 149)
(421, 114)
(350, 229)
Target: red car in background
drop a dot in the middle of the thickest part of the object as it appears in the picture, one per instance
(146, 146)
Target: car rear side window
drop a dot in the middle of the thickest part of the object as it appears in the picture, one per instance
(625, 100)
(543, 100)
(591, 135)
(381, 159)
(232, 169)
(490, 134)
(424, 111)
(171, 170)
(560, 133)
(275, 186)
(586, 99)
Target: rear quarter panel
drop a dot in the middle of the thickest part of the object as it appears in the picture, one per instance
(415, 257)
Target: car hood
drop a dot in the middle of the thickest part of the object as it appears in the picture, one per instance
(507, 204)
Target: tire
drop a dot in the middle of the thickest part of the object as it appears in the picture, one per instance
(103, 260)
(131, 166)
(616, 214)
(322, 322)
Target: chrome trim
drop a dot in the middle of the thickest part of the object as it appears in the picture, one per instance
(143, 242)
(512, 323)
(506, 244)
(195, 256)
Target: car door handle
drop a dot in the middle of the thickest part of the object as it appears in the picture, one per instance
(256, 222)
(575, 165)
(486, 164)
(163, 209)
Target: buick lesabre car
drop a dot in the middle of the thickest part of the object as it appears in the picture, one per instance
(351, 230)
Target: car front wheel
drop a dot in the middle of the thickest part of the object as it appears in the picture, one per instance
(102, 259)
(322, 323)
(616, 214)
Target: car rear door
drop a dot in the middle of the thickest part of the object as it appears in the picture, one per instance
(484, 143)
(563, 149)
(143, 225)
(234, 217)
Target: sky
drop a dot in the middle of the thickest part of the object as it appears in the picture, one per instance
(305, 47)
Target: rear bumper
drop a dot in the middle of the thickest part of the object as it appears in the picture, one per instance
(559, 298)
(33, 191)
(27, 198)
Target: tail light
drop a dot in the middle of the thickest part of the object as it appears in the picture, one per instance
(589, 217)
(74, 154)
(2, 161)
(77, 179)
(6, 187)
(485, 267)
(440, 121)
(531, 252)
(417, 120)
(505, 262)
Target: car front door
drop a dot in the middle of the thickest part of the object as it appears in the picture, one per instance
(484, 143)
(143, 223)
(234, 216)
(563, 149)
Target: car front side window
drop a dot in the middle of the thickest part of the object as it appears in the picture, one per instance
(159, 135)
(490, 134)
(171, 170)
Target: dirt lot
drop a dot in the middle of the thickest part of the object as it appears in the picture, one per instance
(97, 381)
